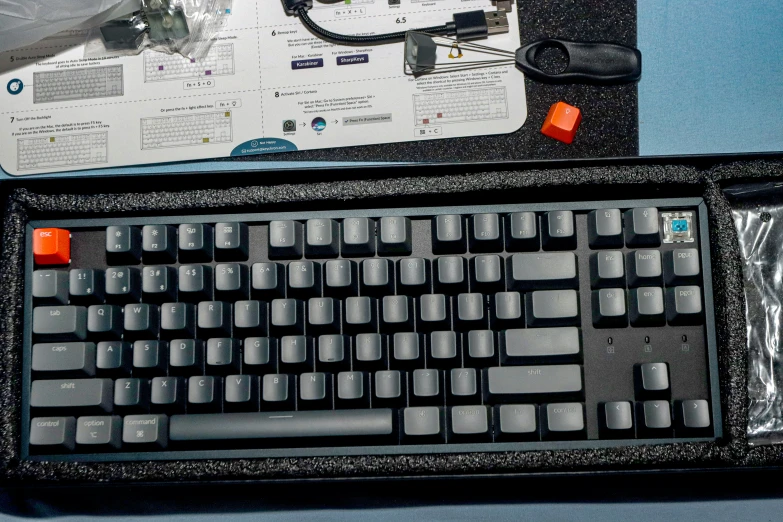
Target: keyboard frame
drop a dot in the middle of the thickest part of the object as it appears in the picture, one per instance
(401, 449)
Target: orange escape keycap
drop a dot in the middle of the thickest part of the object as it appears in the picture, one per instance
(561, 122)
(51, 246)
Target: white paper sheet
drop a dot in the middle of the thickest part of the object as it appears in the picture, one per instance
(268, 85)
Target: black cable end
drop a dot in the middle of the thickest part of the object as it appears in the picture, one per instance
(292, 7)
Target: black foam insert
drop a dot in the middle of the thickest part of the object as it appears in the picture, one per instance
(610, 126)
(399, 188)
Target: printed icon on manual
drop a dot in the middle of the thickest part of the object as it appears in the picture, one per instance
(289, 126)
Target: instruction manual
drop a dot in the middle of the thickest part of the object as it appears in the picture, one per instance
(267, 85)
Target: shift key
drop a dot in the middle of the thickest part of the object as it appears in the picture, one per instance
(74, 396)
(521, 383)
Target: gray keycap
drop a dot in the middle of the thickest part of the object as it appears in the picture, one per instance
(481, 344)
(288, 313)
(99, 431)
(684, 305)
(195, 242)
(149, 357)
(186, 356)
(642, 227)
(426, 383)
(123, 244)
(487, 272)
(542, 270)
(358, 236)
(123, 284)
(340, 275)
(141, 320)
(203, 391)
(158, 283)
(105, 321)
(322, 238)
(376, 274)
(250, 315)
(257, 351)
(644, 268)
(304, 278)
(470, 307)
(609, 308)
(657, 415)
(64, 359)
(90, 394)
(469, 420)
(608, 269)
(268, 280)
(682, 266)
(397, 312)
(559, 231)
(387, 384)
(60, 323)
(132, 394)
(350, 385)
(395, 236)
(552, 308)
(412, 274)
(231, 280)
(178, 318)
(448, 235)
(360, 312)
(695, 414)
(231, 241)
(518, 418)
(646, 306)
(275, 387)
(507, 306)
(241, 392)
(406, 346)
(463, 382)
(511, 381)
(50, 287)
(54, 433)
(565, 417)
(114, 356)
(166, 392)
(369, 347)
(293, 349)
(618, 415)
(541, 342)
(146, 429)
(522, 232)
(312, 386)
(331, 348)
(158, 244)
(323, 312)
(450, 272)
(432, 308)
(655, 376)
(421, 421)
(195, 282)
(222, 356)
(485, 233)
(286, 239)
(214, 316)
(443, 346)
(605, 228)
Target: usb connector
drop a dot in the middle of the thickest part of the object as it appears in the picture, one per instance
(478, 24)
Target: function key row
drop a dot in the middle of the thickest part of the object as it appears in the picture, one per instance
(361, 236)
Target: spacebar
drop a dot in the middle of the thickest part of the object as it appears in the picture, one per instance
(275, 425)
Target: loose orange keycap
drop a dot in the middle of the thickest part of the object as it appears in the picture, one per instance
(51, 246)
(561, 122)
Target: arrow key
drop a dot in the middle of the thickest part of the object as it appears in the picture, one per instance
(616, 420)
(97, 433)
(693, 417)
(654, 419)
(652, 380)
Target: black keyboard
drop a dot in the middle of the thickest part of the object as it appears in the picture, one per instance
(386, 331)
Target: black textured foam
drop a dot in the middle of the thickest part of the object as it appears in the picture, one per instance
(649, 181)
(610, 114)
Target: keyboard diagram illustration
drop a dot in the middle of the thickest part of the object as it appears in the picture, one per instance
(162, 67)
(460, 106)
(77, 84)
(62, 151)
(186, 130)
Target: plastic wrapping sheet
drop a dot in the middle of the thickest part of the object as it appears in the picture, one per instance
(758, 217)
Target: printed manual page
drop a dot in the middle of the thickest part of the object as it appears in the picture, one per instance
(267, 85)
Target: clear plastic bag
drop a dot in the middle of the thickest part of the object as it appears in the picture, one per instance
(758, 217)
(187, 27)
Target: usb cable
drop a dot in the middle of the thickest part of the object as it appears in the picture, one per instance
(464, 26)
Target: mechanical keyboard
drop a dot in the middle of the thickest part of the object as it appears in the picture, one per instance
(65, 150)
(186, 130)
(159, 66)
(386, 331)
(460, 106)
(77, 84)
